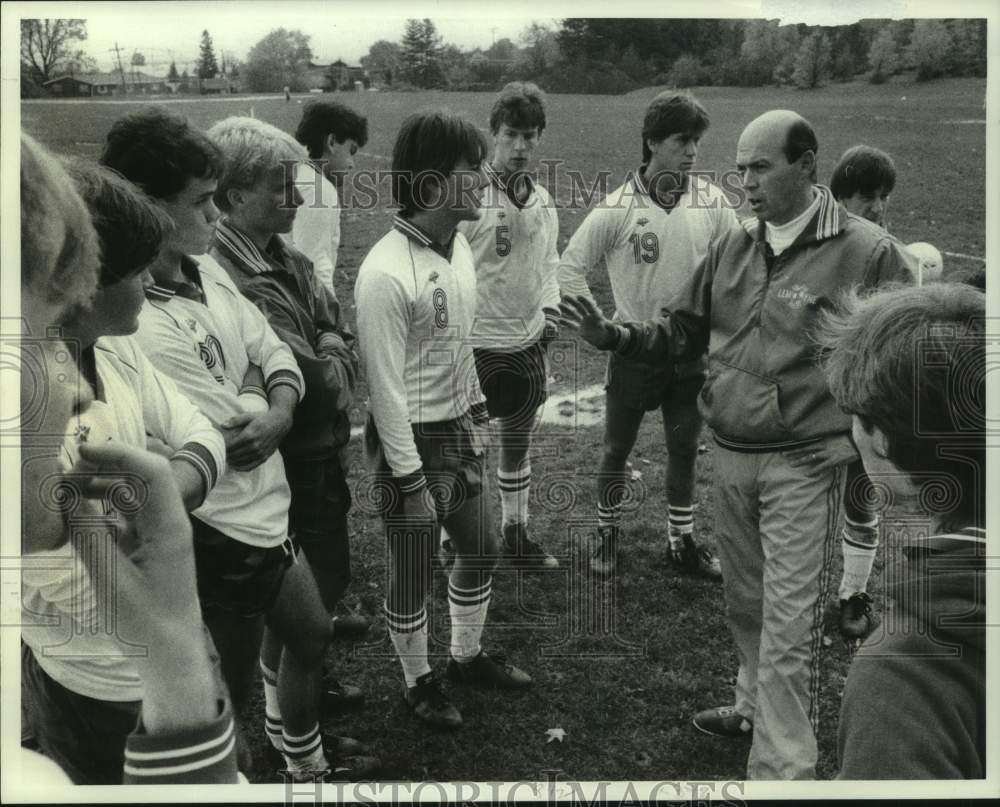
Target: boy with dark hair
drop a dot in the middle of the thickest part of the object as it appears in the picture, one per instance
(513, 243)
(416, 297)
(259, 202)
(198, 329)
(862, 181)
(652, 232)
(332, 133)
(914, 705)
(86, 686)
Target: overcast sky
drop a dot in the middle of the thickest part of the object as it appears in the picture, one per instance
(338, 29)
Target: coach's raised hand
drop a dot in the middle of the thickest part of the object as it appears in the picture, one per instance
(579, 313)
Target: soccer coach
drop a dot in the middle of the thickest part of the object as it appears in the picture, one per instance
(783, 443)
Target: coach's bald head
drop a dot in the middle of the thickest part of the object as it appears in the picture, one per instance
(776, 158)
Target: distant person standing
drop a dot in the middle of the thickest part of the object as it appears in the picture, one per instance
(288, 94)
(332, 133)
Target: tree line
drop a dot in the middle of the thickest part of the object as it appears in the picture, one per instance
(579, 55)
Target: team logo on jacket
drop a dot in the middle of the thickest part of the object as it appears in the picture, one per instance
(797, 296)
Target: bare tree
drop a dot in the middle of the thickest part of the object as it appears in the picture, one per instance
(45, 44)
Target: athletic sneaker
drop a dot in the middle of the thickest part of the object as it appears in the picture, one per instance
(856, 619)
(346, 756)
(723, 721)
(489, 671)
(522, 551)
(354, 768)
(350, 627)
(694, 558)
(428, 702)
(604, 550)
(339, 698)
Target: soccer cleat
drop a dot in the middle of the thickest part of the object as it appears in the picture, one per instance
(339, 698)
(351, 768)
(522, 551)
(856, 619)
(428, 702)
(723, 721)
(350, 626)
(693, 558)
(489, 671)
(604, 550)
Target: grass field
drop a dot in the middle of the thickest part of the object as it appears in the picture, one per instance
(620, 667)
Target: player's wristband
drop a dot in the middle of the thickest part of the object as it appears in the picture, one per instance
(412, 482)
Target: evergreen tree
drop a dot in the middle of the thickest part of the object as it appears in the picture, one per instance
(172, 74)
(208, 67)
(421, 54)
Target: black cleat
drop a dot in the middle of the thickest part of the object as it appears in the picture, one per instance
(428, 702)
(488, 671)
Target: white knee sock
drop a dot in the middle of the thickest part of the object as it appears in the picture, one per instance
(859, 541)
(409, 636)
(467, 608)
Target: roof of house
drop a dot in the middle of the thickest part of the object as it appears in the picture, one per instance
(104, 79)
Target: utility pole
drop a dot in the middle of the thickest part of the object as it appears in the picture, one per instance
(121, 70)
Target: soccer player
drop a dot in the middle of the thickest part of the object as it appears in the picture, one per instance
(782, 440)
(416, 298)
(198, 329)
(513, 244)
(181, 720)
(915, 700)
(332, 133)
(260, 201)
(97, 690)
(861, 181)
(652, 232)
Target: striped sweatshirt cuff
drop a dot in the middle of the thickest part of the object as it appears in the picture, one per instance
(622, 342)
(204, 463)
(253, 389)
(206, 754)
(480, 412)
(412, 483)
(284, 378)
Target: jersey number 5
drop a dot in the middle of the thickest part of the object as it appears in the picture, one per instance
(503, 242)
(440, 300)
(645, 248)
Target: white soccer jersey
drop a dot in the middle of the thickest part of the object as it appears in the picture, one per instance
(415, 313)
(204, 334)
(316, 231)
(649, 252)
(514, 247)
(131, 401)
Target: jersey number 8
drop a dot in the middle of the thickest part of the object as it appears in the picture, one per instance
(440, 300)
(645, 249)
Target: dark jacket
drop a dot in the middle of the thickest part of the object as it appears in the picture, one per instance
(756, 314)
(915, 701)
(306, 316)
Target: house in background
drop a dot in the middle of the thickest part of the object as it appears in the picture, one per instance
(220, 85)
(90, 85)
(336, 76)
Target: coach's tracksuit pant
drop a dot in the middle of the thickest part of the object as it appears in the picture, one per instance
(777, 536)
